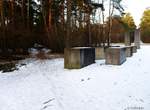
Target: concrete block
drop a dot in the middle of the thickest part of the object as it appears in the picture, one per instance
(99, 53)
(134, 49)
(115, 55)
(127, 39)
(78, 57)
(137, 38)
(129, 51)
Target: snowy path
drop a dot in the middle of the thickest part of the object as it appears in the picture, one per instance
(45, 85)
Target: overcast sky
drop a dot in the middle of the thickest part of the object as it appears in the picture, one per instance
(136, 8)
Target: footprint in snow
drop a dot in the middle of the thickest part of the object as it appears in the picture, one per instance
(141, 100)
(48, 101)
(145, 72)
(130, 96)
(84, 80)
(102, 64)
(88, 78)
(46, 104)
(115, 83)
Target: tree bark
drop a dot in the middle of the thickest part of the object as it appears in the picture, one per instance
(12, 14)
(2, 14)
(23, 13)
(69, 11)
(28, 15)
(89, 29)
(103, 28)
(2, 23)
(111, 10)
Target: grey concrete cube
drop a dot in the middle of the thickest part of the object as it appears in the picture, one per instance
(134, 49)
(115, 55)
(129, 51)
(99, 53)
(78, 57)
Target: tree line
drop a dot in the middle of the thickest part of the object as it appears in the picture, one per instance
(59, 23)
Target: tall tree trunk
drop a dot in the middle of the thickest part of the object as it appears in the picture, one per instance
(23, 13)
(2, 23)
(111, 10)
(80, 18)
(103, 27)
(109, 33)
(62, 13)
(44, 16)
(2, 14)
(12, 13)
(89, 29)
(49, 15)
(28, 15)
(69, 11)
(100, 30)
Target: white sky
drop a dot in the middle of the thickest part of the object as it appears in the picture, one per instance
(136, 8)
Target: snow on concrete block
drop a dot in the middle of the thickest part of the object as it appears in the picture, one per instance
(78, 57)
(99, 53)
(115, 55)
(129, 51)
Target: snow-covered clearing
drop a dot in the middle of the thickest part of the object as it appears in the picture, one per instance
(46, 85)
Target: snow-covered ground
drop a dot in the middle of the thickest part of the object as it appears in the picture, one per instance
(46, 85)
